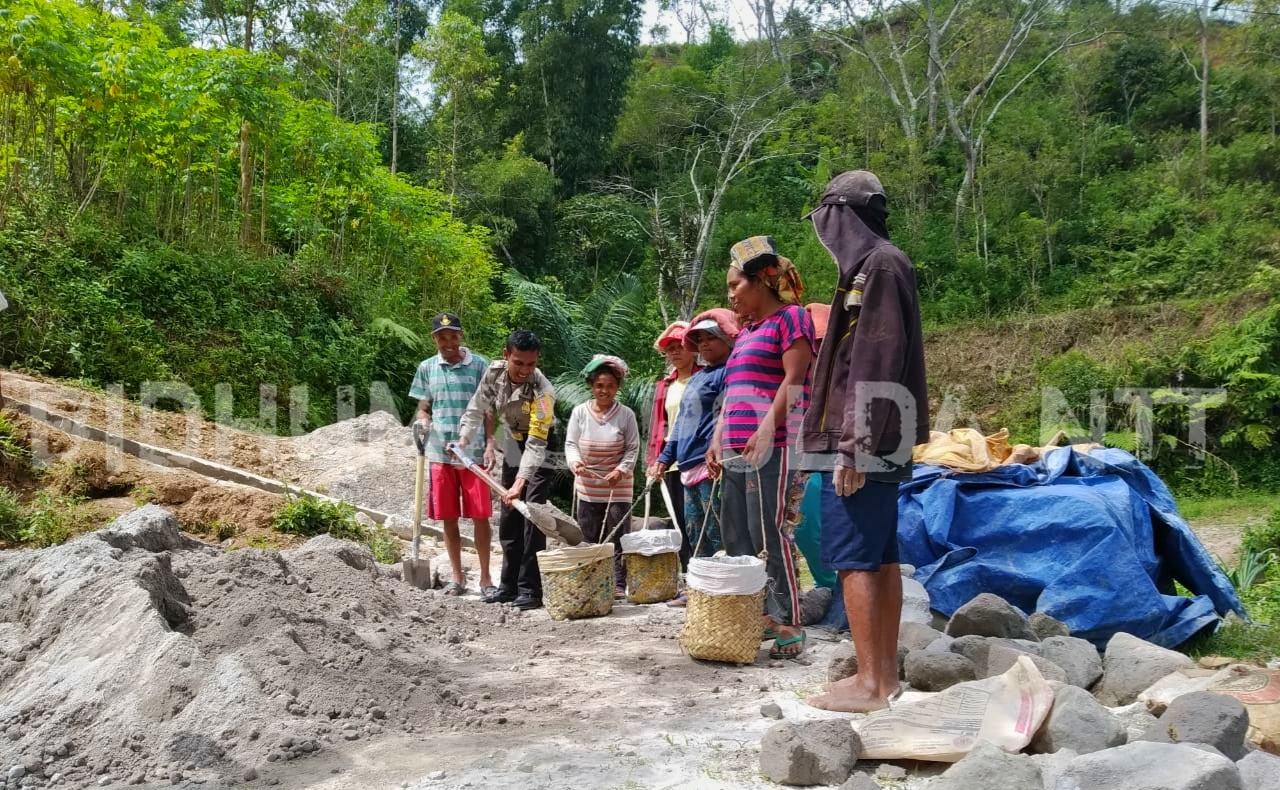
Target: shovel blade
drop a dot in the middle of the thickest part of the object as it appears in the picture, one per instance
(416, 573)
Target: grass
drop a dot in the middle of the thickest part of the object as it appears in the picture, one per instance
(1237, 508)
(1248, 641)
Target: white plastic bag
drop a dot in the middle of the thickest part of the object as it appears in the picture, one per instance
(570, 558)
(721, 575)
(651, 542)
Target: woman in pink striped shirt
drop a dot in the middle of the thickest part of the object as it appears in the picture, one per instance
(766, 392)
(601, 445)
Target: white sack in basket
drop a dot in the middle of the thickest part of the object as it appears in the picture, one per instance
(651, 542)
(721, 575)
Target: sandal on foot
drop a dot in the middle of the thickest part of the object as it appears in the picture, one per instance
(453, 589)
(488, 591)
(769, 633)
(679, 601)
(776, 652)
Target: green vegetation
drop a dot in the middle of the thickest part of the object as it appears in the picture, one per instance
(308, 516)
(13, 517)
(15, 454)
(285, 200)
(54, 519)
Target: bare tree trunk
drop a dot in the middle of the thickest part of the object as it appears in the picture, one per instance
(246, 171)
(395, 98)
(1204, 95)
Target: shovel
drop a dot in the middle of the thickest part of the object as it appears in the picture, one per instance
(551, 520)
(417, 572)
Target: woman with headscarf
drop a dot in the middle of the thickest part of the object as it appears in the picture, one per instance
(682, 364)
(766, 391)
(601, 445)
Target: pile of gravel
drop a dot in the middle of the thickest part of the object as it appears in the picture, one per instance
(137, 655)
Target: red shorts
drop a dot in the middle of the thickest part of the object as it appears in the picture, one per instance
(457, 493)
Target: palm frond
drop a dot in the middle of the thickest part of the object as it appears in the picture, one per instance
(407, 337)
(551, 315)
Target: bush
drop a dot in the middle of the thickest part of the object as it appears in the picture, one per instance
(15, 454)
(1263, 537)
(13, 518)
(53, 520)
(384, 545)
(308, 516)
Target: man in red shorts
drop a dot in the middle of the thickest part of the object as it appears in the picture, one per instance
(443, 386)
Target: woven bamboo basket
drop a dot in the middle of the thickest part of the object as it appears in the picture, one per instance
(653, 579)
(723, 627)
(580, 585)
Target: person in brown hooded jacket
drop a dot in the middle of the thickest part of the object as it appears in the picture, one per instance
(869, 408)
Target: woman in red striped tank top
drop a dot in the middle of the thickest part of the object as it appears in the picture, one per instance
(766, 391)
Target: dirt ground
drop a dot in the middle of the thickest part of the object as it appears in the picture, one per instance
(602, 703)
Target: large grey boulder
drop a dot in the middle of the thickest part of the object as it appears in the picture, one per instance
(1078, 723)
(916, 636)
(1150, 766)
(1203, 717)
(150, 528)
(843, 662)
(1045, 626)
(988, 767)
(1260, 771)
(928, 671)
(1077, 657)
(1052, 765)
(1001, 657)
(814, 605)
(915, 603)
(1131, 665)
(990, 615)
(805, 753)
(1136, 719)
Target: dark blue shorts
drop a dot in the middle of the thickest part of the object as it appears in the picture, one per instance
(859, 532)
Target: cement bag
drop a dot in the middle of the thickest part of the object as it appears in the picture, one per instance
(1005, 710)
(721, 575)
(651, 541)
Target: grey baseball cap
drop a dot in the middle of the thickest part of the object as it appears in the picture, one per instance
(851, 188)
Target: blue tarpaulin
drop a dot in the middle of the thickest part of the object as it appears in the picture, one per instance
(1094, 540)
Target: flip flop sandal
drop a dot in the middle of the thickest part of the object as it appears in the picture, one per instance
(769, 633)
(777, 653)
(488, 592)
(453, 589)
(679, 601)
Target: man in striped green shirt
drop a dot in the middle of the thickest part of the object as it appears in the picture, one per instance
(443, 386)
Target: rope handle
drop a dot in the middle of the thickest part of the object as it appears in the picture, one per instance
(706, 515)
(627, 516)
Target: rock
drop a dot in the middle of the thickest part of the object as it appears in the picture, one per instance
(771, 710)
(16, 772)
(1077, 657)
(916, 636)
(1052, 766)
(915, 602)
(937, 671)
(1045, 626)
(1260, 771)
(860, 781)
(250, 774)
(1131, 665)
(990, 615)
(892, 773)
(150, 527)
(1150, 766)
(988, 767)
(436, 776)
(814, 605)
(1079, 723)
(940, 645)
(1135, 717)
(843, 663)
(1203, 717)
(822, 752)
(972, 647)
(1001, 657)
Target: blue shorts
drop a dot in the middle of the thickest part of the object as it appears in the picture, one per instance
(859, 532)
